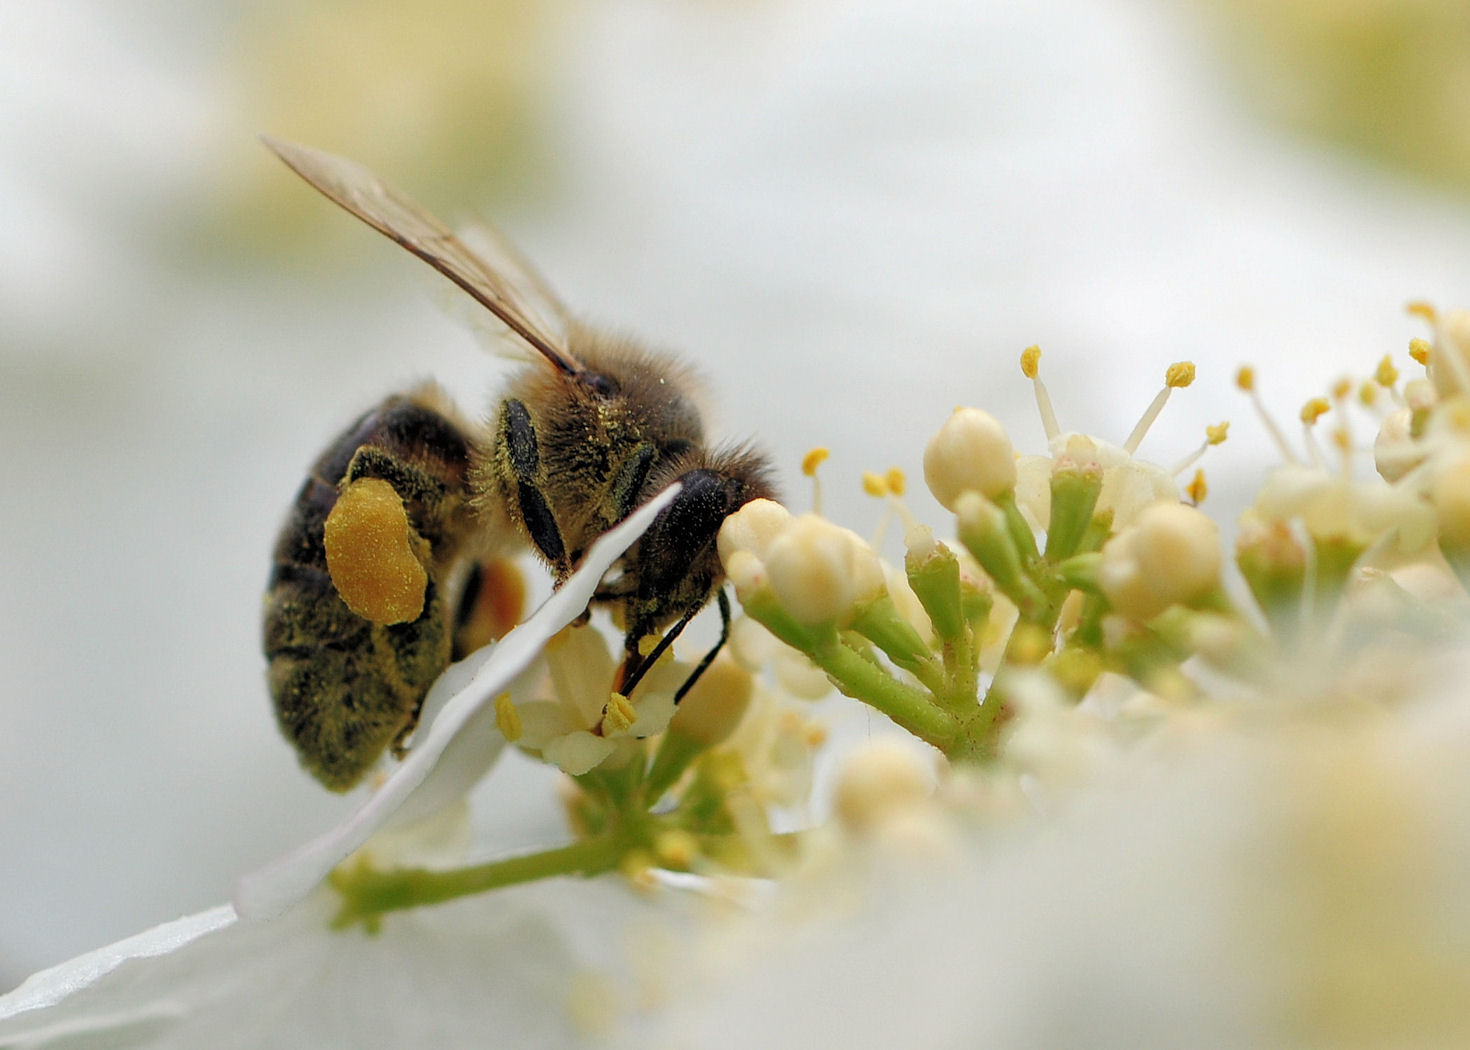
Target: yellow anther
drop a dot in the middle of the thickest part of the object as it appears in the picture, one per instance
(618, 716)
(1386, 374)
(647, 644)
(1197, 490)
(1215, 435)
(1030, 361)
(874, 484)
(897, 482)
(1315, 409)
(814, 459)
(1419, 308)
(1419, 350)
(1368, 392)
(1245, 378)
(1342, 440)
(1179, 375)
(1341, 389)
(507, 718)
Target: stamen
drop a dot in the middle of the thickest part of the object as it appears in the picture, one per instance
(1312, 411)
(507, 718)
(1179, 374)
(1197, 490)
(809, 464)
(1214, 435)
(1420, 350)
(1031, 369)
(1420, 308)
(1245, 378)
(1387, 374)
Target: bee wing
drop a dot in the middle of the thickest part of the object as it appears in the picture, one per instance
(538, 304)
(503, 284)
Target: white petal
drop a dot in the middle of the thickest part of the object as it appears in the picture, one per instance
(471, 973)
(410, 787)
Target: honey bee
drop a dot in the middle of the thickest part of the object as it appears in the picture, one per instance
(377, 566)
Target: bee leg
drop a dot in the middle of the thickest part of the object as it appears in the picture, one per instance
(627, 487)
(636, 665)
(518, 436)
(410, 482)
(709, 657)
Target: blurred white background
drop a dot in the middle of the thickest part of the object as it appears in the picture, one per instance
(851, 216)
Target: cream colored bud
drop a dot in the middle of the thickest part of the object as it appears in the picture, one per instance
(715, 705)
(881, 781)
(868, 579)
(746, 572)
(1451, 496)
(812, 569)
(1449, 366)
(971, 453)
(754, 527)
(1169, 555)
(1394, 452)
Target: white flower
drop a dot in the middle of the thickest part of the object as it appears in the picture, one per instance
(1128, 484)
(464, 974)
(562, 700)
(1331, 507)
(1229, 886)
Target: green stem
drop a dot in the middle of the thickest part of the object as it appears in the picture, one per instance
(368, 893)
(866, 681)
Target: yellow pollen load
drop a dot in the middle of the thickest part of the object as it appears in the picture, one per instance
(1215, 435)
(814, 459)
(1420, 351)
(1179, 375)
(1030, 361)
(1315, 409)
(1386, 374)
(369, 544)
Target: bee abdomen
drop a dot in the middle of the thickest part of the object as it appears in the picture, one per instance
(346, 689)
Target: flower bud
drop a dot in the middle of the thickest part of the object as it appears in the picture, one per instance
(971, 453)
(1449, 366)
(879, 782)
(1451, 496)
(1394, 449)
(754, 527)
(1169, 555)
(812, 569)
(712, 709)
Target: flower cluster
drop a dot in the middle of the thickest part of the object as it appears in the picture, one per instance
(1081, 628)
(1089, 565)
